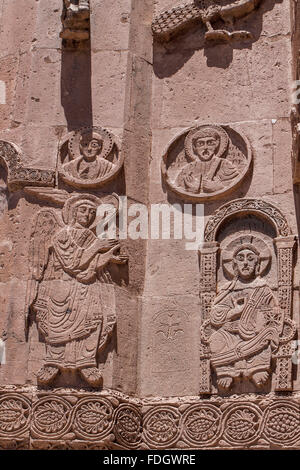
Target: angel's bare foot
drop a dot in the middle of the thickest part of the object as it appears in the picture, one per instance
(260, 378)
(92, 376)
(225, 382)
(47, 374)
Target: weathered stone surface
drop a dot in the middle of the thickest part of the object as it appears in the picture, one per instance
(138, 340)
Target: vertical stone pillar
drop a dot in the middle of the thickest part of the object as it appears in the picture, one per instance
(285, 252)
(208, 288)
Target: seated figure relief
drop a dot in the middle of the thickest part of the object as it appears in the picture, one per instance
(67, 292)
(91, 158)
(209, 165)
(245, 319)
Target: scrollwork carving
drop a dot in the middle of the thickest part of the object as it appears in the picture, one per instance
(282, 423)
(79, 420)
(161, 426)
(51, 417)
(242, 424)
(201, 425)
(93, 418)
(128, 426)
(15, 412)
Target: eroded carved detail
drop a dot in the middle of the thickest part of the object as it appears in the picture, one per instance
(69, 292)
(89, 158)
(295, 125)
(76, 20)
(17, 174)
(170, 339)
(170, 22)
(206, 162)
(239, 206)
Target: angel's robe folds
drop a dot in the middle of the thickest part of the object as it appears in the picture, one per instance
(70, 306)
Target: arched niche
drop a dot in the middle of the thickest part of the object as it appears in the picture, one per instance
(209, 254)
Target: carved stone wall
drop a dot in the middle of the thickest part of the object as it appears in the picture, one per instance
(201, 87)
(70, 128)
(142, 343)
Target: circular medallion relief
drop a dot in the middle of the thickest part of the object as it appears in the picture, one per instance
(206, 162)
(128, 426)
(89, 157)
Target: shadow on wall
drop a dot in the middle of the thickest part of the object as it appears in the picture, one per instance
(4, 193)
(171, 56)
(76, 88)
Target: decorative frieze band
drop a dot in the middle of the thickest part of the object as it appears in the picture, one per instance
(109, 420)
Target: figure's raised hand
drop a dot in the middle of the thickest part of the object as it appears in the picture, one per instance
(105, 245)
(191, 183)
(118, 258)
(112, 256)
(210, 186)
(239, 305)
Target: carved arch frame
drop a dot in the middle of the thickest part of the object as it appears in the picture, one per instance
(284, 246)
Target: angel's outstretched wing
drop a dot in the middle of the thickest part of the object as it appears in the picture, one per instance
(45, 225)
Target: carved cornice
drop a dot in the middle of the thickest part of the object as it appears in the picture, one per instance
(71, 419)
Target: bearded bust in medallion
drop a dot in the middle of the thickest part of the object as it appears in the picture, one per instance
(206, 162)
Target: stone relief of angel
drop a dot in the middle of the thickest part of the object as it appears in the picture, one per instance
(65, 293)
